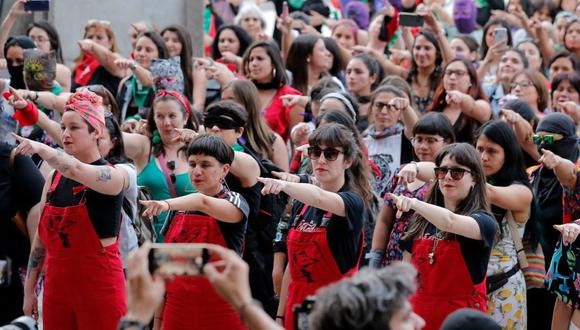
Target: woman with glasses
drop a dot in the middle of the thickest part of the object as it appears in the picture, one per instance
(326, 234)
(159, 158)
(77, 238)
(96, 62)
(451, 236)
(387, 139)
(555, 183)
(213, 215)
(530, 86)
(45, 38)
(510, 195)
(431, 133)
(459, 97)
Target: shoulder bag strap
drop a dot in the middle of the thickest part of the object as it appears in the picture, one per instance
(165, 171)
(522, 259)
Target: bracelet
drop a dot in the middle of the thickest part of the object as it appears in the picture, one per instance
(243, 307)
(280, 317)
(35, 97)
(134, 66)
(168, 205)
(124, 324)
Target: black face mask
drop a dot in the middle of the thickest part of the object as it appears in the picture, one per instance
(16, 76)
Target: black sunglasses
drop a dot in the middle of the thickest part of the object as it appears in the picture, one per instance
(330, 154)
(171, 167)
(457, 173)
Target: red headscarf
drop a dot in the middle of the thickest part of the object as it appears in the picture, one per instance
(89, 105)
(179, 97)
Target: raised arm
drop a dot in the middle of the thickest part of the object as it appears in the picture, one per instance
(104, 56)
(564, 169)
(100, 178)
(479, 110)
(46, 99)
(389, 67)
(218, 208)
(137, 148)
(17, 10)
(440, 217)
(245, 168)
(306, 193)
(516, 198)
(143, 75)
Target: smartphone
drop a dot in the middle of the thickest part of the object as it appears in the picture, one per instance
(302, 313)
(500, 36)
(36, 5)
(177, 259)
(407, 19)
(384, 33)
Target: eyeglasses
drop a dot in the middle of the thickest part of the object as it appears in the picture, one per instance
(39, 39)
(428, 140)
(522, 84)
(457, 73)
(381, 105)
(171, 167)
(546, 138)
(330, 154)
(457, 173)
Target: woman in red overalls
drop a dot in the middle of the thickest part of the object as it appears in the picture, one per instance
(325, 239)
(215, 215)
(77, 235)
(451, 236)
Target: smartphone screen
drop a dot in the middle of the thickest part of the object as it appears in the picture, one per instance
(36, 5)
(406, 19)
(176, 259)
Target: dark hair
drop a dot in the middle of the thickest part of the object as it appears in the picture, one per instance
(324, 86)
(539, 82)
(280, 78)
(435, 123)
(475, 90)
(436, 75)
(231, 109)
(484, 46)
(258, 134)
(565, 54)
(463, 154)
(372, 66)
(334, 49)
(299, 51)
(53, 37)
(400, 83)
(185, 56)
(368, 300)
(190, 120)
(381, 90)
(533, 42)
(513, 168)
(340, 117)
(117, 154)
(524, 109)
(572, 77)
(157, 40)
(469, 41)
(522, 56)
(244, 39)
(357, 175)
(211, 145)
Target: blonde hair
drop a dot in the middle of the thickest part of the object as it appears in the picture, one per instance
(98, 26)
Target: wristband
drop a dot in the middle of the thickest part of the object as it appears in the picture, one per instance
(168, 205)
(124, 324)
(242, 308)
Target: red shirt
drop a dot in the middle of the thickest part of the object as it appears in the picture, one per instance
(277, 115)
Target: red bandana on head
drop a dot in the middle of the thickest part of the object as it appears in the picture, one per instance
(179, 97)
(89, 105)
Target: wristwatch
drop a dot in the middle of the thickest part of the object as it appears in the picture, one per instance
(131, 324)
(134, 66)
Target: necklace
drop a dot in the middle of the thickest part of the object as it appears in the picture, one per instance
(438, 236)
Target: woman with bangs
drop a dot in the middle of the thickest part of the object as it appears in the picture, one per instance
(460, 97)
(326, 234)
(431, 133)
(451, 230)
(213, 215)
(158, 156)
(96, 63)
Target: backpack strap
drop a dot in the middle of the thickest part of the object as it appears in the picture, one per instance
(521, 253)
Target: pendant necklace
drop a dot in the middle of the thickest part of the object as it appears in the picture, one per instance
(436, 238)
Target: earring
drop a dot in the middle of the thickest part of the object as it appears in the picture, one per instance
(156, 137)
(308, 60)
(274, 72)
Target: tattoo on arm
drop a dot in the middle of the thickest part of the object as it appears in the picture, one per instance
(59, 161)
(104, 174)
(36, 259)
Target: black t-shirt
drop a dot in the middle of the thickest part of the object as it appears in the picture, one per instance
(233, 233)
(100, 77)
(344, 235)
(104, 210)
(475, 252)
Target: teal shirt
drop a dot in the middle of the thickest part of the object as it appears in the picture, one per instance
(152, 177)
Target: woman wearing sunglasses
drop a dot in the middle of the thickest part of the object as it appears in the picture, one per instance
(387, 139)
(555, 184)
(431, 133)
(510, 195)
(451, 236)
(214, 215)
(159, 159)
(326, 235)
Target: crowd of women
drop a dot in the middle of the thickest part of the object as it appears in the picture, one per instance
(344, 139)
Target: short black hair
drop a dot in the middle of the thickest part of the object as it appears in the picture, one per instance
(435, 123)
(211, 145)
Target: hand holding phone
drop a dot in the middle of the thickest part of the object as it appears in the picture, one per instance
(500, 36)
(178, 259)
(408, 19)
